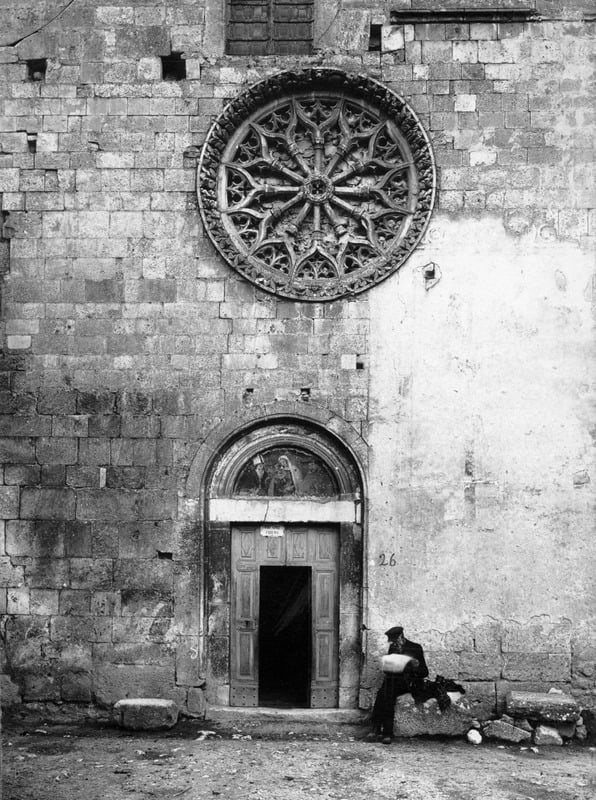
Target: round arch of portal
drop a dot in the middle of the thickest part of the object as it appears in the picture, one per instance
(249, 530)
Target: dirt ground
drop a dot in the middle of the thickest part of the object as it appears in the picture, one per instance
(197, 760)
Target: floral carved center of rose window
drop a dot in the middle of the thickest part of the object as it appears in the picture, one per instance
(316, 185)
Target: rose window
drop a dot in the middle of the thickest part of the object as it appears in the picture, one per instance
(316, 185)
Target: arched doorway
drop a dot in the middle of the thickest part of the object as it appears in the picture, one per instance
(283, 558)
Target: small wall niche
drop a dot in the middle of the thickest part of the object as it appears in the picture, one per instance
(173, 67)
(36, 69)
(374, 38)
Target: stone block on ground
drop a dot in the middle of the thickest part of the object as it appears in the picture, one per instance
(427, 719)
(145, 713)
(549, 707)
(544, 735)
(499, 729)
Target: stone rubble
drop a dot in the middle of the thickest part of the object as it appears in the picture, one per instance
(498, 729)
(528, 713)
(544, 735)
(474, 737)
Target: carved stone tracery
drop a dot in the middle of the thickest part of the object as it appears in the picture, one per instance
(316, 185)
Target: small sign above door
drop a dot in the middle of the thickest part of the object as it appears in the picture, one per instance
(275, 531)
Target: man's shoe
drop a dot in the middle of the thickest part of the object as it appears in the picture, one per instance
(386, 739)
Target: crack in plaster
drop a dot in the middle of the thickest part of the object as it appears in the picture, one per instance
(45, 25)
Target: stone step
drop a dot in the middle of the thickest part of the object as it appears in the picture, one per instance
(283, 721)
(410, 720)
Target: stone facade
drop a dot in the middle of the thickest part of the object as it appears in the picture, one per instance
(128, 342)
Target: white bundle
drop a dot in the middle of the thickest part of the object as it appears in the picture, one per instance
(395, 662)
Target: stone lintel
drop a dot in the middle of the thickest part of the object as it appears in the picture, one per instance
(270, 510)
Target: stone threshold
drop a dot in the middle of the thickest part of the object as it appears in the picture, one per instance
(312, 716)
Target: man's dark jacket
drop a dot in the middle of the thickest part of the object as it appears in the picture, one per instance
(398, 683)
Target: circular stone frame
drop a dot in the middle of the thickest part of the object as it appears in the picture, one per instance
(316, 184)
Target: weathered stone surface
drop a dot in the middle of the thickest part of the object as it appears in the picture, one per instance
(188, 662)
(545, 735)
(530, 666)
(47, 504)
(499, 729)
(481, 696)
(37, 686)
(523, 724)
(565, 729)
(479, 666)
(114, 682)
(76, 687)
(550, 707)
(143, 714)
(196, 705)
(589, 721)
(10, 693)
(9, 502)
(581, 732)
(427, 719)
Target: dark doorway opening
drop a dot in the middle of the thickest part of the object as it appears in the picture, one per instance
(285, 636)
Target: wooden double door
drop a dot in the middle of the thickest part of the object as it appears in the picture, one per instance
(284, 616)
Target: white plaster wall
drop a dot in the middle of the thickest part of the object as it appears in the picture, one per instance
(494, 364)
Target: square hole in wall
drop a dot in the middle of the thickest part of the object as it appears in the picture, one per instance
(374, 38)
(173, 67)
(36, 69)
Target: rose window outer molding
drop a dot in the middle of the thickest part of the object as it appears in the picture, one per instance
(317, 184)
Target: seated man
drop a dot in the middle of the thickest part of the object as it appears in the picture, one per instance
(397, 683)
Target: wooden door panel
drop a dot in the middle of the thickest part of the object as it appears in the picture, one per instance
(297, 547)
(246, 599)
(245, 616)
(324, 546)
(246, 655)
(325, 599)
(274, 549)
(247, 547)
(317, 548)
(323, 656)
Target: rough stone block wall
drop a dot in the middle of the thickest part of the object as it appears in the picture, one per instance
(126, 338)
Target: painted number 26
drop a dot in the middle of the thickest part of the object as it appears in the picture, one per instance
(387, 562)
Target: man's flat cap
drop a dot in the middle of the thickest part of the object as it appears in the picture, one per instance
(394, 632)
